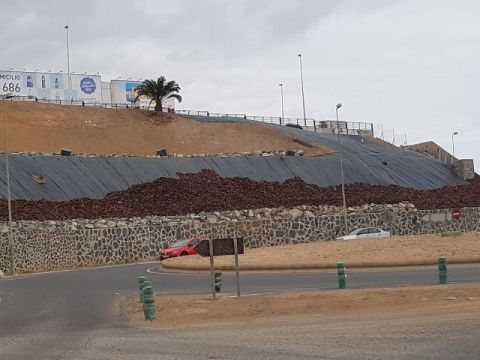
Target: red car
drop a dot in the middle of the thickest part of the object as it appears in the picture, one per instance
(180, 248)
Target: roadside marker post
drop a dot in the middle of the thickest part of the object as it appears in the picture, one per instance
(218, 280)
(144, 284)
(141, 281)
(442, 270)
(342, 283)
(149, 308)
(220, 247)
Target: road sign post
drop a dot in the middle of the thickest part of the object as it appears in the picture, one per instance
(220, 247)
(235, 246)
(212, 266)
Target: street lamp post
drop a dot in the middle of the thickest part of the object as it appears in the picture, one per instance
(303, 93)
(283, 113)
(68, 68)
(342, 177)
(453, 143)
(9, 205)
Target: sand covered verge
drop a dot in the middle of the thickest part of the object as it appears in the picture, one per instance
(399, 250)
(201, 310)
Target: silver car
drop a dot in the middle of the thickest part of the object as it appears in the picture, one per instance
(365, 233)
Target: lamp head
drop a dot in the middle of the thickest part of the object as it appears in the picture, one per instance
(339, 106)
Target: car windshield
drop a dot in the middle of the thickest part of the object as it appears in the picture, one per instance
(355, 232)
(179, 243)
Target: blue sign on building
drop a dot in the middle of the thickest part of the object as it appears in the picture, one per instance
(88, 85)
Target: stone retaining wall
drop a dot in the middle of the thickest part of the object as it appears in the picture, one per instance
(53, 248)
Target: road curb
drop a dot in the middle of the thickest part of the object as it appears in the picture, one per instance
(327, 266)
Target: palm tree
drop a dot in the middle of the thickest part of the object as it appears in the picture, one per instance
(158, 91)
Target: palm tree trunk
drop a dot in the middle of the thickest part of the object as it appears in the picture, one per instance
(158, 106)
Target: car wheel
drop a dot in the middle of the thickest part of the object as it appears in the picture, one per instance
(184, 253)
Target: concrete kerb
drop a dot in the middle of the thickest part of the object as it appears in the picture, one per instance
(171, 266)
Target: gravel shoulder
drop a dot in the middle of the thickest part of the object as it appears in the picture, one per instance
(200, 310)
(394, 251)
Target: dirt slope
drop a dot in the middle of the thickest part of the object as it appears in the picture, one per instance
(49, 128)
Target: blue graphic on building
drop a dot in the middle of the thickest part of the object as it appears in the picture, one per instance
(88, 85)
(130, 88)
(29, 81)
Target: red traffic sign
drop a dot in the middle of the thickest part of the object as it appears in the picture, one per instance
(456, 214)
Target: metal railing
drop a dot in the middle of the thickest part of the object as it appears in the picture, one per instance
(65, 102)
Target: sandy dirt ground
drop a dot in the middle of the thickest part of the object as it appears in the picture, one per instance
(201, 310)
(427, 336)
(440, 322)
(49, 128)
(394, 250)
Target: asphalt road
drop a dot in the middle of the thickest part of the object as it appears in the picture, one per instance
(47, 314)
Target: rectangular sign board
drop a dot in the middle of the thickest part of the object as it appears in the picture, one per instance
(220, 247)
(51, 86)
(124, 92)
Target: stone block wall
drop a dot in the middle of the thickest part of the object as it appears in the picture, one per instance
(43, 248)
(464, 168)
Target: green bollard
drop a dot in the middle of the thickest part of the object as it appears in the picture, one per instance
(218, 280)
(144, 284)
(149, 308)
(442, 269)
(141, 281)
(342, 283)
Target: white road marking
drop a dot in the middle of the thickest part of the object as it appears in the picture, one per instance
(163, 272)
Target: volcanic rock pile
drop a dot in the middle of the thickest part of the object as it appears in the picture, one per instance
(208, 192)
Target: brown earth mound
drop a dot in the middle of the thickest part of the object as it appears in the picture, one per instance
(50, 128)
(206, 191)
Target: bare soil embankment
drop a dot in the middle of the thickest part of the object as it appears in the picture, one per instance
(50, 128)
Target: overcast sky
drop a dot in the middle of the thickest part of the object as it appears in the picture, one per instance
(411, 65)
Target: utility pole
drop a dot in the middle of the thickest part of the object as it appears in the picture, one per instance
(68, 68)
(283, 113)
(342, 177)
(9, 205)
(303, 93)
(453, 143)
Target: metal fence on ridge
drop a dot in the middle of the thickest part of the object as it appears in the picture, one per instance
(320, 126)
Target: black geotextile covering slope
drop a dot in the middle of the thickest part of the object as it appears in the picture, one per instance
(73, 177)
